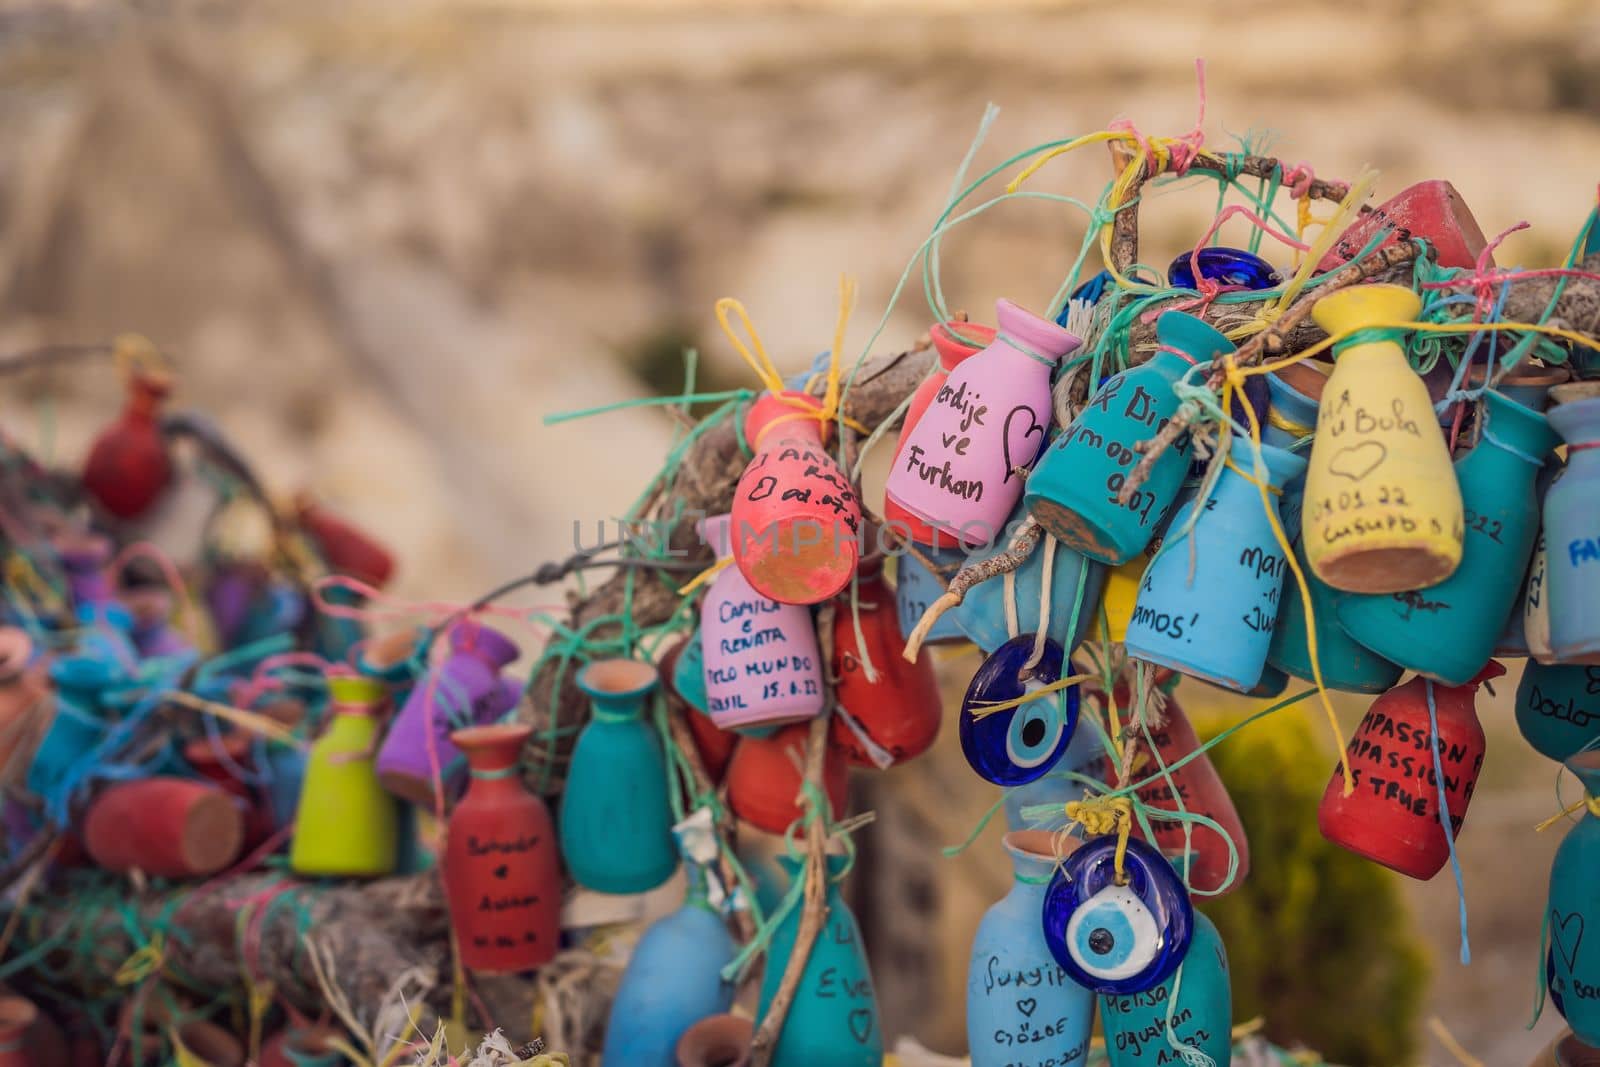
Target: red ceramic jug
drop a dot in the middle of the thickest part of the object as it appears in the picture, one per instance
(714, 744)
(166, 827)
(129, 465)
(1431, 209)
(1392, 818)
(17, 1015)
(796, 516)
(22, 708)
(502, 869)
(1201, 790)
(764, 779)
(954, 342)
(895, 717)
(344, 547)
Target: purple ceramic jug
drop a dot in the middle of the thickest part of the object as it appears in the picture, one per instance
(464, 690)
(963, 465)
(761, 661)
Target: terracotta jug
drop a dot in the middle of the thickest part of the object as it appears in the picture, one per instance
(714, 744)
(1392, 818)
(894, 716)
(228, 762)
(345, 548)
(762, 667)
(963, 465)
(463, 690)
(129, 465)
(1382, 510)
(717, 1041)
(1431, 209)
(17, 1014)
(954, 342)
(346, 825)
(165, 827)
(764, 779)
(502, 868)
(795, 516)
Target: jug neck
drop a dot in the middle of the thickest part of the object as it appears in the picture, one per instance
(1033, 857)
(617, 688)
(956, 342)
(1516, 431)
(786, 416)
(1586, 766)
(1037, 338)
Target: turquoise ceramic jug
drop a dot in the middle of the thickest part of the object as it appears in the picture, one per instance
(1137, 1033)
(1021, 1006)
(1218, 625)
(916, 587)
(1346, 665)
(1073, 489)
(1572, 536)
(1448, 631)
(834, 1017)
(672, 981)
(615, 823)
(982, 614)
(1294, 393)
(1558, 708)
(1572, 962)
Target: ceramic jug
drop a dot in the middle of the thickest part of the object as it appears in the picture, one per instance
(1448, 631)
(165, 827)
(75, 726)
(1392, 817)
(1294, 394)
(962, 467)
(17, 1016)
(502, 868)
(1073, 491)
(345, 825)
(1117, 600)
(1198, 999)
(717, 1041)
(1431, 209)
(795, 517)
(761, 661)
(1572, 962)
(1217, 625)
(1558, 708)
(953, 342)
(764, 779)
(672, 981)
(129, 465)
(1074, 588)
(1021, 1006)
(713, 744)
(1086, 756)
(462, 690)
(834, 1016)
(615, 820)
(916, 587)
(1527, 631)
(893, 716)
(1572, 544)
(1382, 510)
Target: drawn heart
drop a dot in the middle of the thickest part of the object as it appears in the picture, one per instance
(501, 871)
(1566, 933)
(1021, 455)
(1027, 1006)
(861, 1025)
(1357, 461)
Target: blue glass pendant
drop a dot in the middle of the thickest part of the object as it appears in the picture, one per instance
(1114, 938)
(1226, 266)
(1019, 744)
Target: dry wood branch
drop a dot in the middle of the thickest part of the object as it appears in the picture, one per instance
(814, 906)
(1015, 555)
(703, 786)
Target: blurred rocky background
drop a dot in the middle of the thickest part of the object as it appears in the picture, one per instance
(382, 241)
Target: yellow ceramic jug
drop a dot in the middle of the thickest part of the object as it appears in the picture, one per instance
(345, 824)
(1122, 589)
(1382, 509)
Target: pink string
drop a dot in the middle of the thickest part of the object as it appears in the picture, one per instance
(169, 570)
(245, 694)
(1298, 179)
(1210, 288)
(1182, 153)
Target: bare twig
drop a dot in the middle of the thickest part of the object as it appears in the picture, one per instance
(684, 742)
(1015, 555)
(814, 907)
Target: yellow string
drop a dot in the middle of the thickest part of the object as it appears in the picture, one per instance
(984, 708)
(1592, 803)
(1252, 479)
(1451, 1045)
(133, 352)
(1234, 382)
(1332, 227)
(705, 576)
(21, 574)
(1105, 815)
(144, 962)
(249, 721)
(1281, 421)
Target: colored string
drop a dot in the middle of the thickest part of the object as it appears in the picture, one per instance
(1444, 818)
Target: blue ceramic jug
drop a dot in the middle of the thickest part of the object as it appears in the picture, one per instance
(76, 727)
(1572, 962)
(615, 824)
(916, 587)
(1021, 1006)
(1558, 708)
(1529, 623)
(1572, 534)
(1448, 631)
(1294, 395)
(1073, 489)
(982, 613)
(1085, 755)
(1218, 626)
(672, 981)
(834, 1017)
(1201, 1011)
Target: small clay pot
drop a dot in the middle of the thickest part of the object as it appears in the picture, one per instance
(717, 1041)
(166, 827)
(1572, 392)
(1567, 1051)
